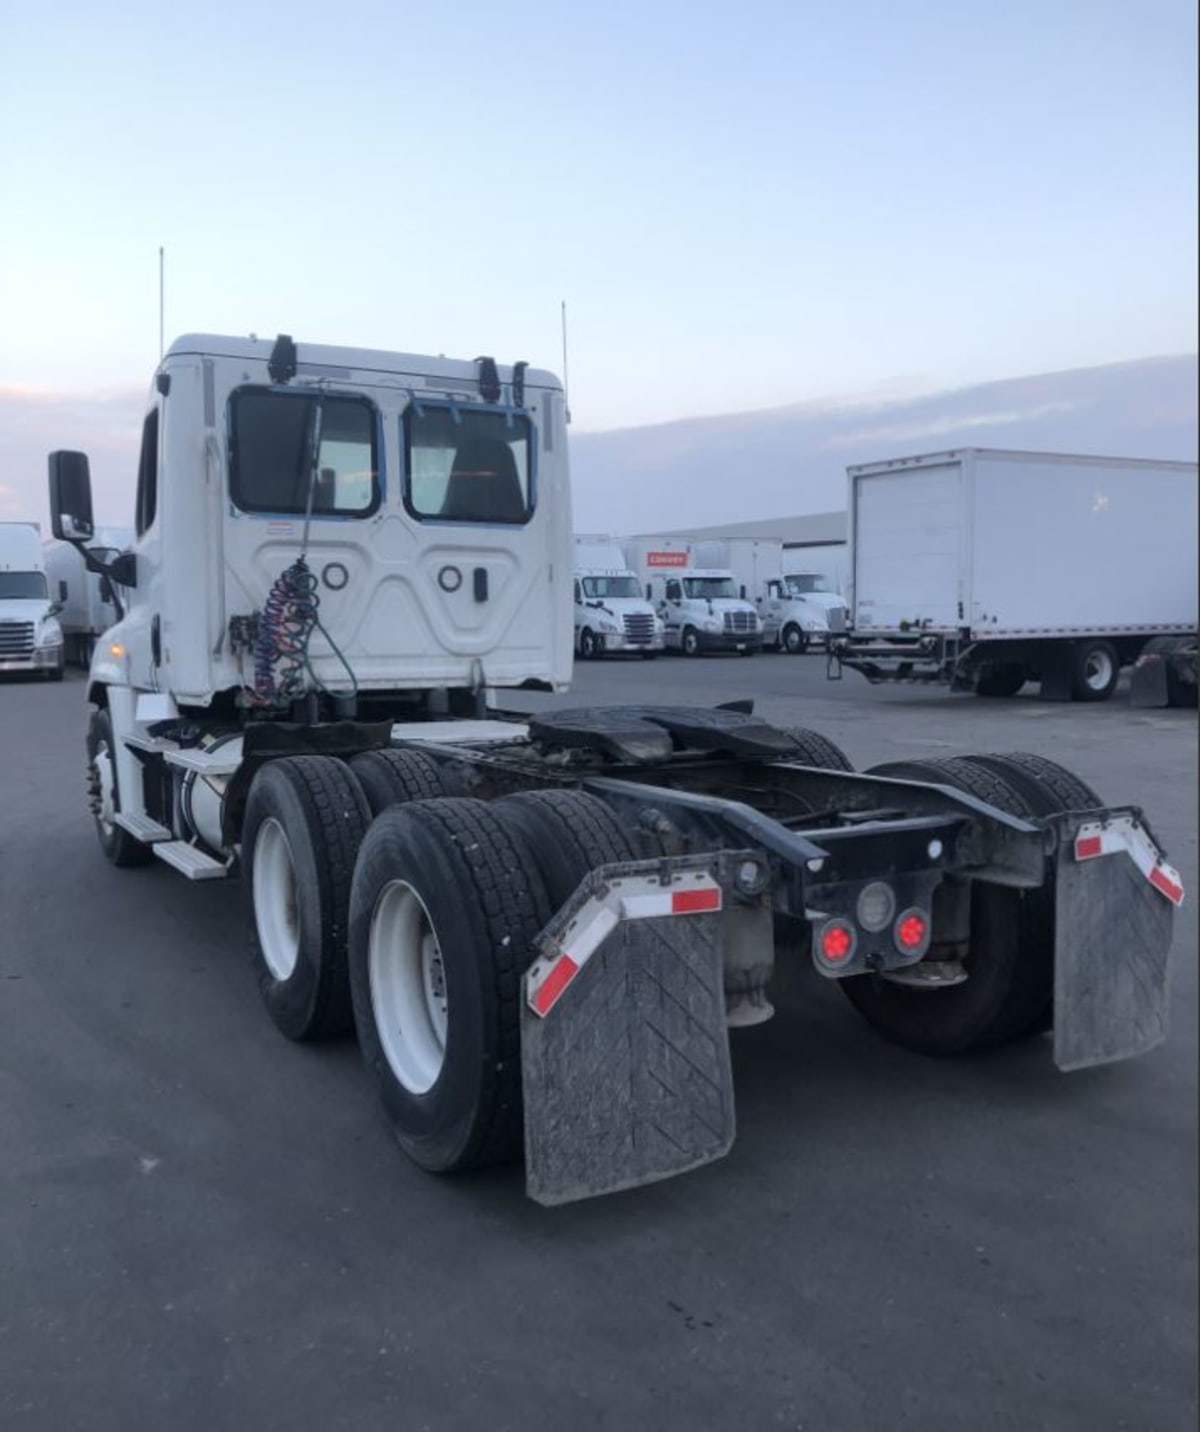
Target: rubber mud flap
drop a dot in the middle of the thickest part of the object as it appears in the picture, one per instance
(1111, 949)
(627, 1078)
(1148, 682)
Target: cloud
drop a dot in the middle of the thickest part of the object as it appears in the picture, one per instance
(944, 426)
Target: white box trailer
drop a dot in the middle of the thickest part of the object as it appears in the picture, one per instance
(827, 561)
(89, 605)
(985, 568)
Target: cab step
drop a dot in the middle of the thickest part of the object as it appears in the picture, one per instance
(190, 861)
(141, 827)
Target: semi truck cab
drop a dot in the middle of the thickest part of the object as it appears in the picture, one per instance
(31, 638)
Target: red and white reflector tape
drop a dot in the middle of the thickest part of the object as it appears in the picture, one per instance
(1123, 833)
(641, 898)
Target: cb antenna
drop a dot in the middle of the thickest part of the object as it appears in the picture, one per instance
(160, 303)
(566, 381)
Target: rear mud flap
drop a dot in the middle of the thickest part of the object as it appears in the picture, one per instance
(1113, 937)
(1148, 682)
(626, 1074)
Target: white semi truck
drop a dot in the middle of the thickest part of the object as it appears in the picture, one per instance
(612, 617)
(540, 927)
(985, 569)
(795, 612)
(700, 606)
(31, 638)
(88, 603)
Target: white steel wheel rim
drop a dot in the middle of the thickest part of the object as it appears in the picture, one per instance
(1098, 670)
(408, 987)
(104, 776)
(276, 912)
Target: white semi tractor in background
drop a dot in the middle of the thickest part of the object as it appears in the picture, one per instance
(88, 603)
(796, 611)
(31, 639)
(700, 606)
(540, 926)
(612, 616)
(985, 569)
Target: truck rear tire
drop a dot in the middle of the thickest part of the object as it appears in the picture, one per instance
(121, 848)
(1047, 787)
(305, 819)
(392, 777)
(818, 750)
(1001, 678)
(443, 915)
(568, 833)
(1010, 962)
(1094, 672)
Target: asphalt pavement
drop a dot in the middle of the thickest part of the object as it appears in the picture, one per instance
(205, 1227)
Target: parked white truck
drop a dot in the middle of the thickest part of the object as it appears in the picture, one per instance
(794, 611)
(540, 927)
(88, 603)
(612, 617)
(31, 639)
(700, 606)
(985, 569)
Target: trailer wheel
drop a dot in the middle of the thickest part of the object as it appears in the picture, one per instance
(690, 643)
(392, 777)
(443, 915)
(818, 750)
(587, 645)
(1001, 678)
(104, 796)
(795, 640)
(1010, 961)
(305, 819)
(567, 834)
(1095, 669)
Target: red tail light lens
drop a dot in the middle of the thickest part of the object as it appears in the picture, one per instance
(836, 942)
(912, 932)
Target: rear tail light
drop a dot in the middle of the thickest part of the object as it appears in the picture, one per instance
(836, 941)
(911, 932)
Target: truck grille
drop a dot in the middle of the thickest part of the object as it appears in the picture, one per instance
(639, 628)
(837, 618)
(740, 622)
(16, 639)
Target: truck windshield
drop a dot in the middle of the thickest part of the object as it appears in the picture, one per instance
(709, 587)
(270, 454)
(29, 585)
(611, 587)
(800, 585)
(467, 465)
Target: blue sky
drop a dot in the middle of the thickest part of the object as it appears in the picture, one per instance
(743, 205)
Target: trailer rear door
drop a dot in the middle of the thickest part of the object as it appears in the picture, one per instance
(909, 531)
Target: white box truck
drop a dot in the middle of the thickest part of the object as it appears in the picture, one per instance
(30, 637)
(89, 603)
(984, 569)
(539, 926)
(612, 616)
(700, 607)
(796, 611)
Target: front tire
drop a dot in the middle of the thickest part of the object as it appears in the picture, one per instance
(690, 644)
(587, 645)
(104, 794)
(305, 819)
(443, 916)
(795, 640)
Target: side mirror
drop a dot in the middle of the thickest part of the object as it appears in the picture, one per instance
(62, 593)
(123, 569)
(70, 497)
